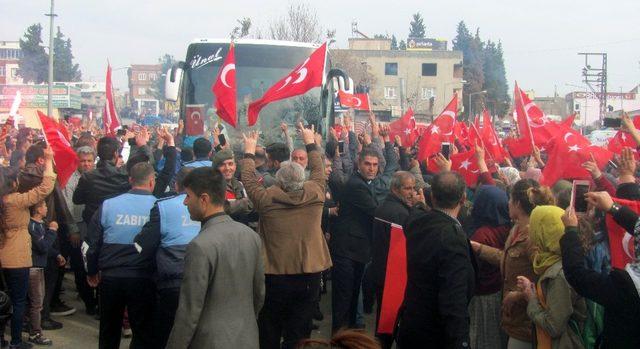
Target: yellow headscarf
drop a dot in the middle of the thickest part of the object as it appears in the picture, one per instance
(545, 230)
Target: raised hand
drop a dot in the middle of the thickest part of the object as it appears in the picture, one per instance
(442, 162)
(600, 200)
(569, 218)
(250, 142)
(592, 167)
(308, 135)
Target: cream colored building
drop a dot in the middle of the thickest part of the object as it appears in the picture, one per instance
(422, 80)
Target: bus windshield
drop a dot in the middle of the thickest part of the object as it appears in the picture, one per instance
(258, 67)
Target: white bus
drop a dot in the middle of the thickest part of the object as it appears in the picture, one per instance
(259, 64)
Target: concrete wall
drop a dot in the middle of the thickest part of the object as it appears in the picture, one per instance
(427, 95)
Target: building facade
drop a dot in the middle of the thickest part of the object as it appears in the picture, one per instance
(10, 54)
(424, 80)
(586, 105)
(143, 79)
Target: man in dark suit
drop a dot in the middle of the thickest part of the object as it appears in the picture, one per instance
(394, 209)
(351, 240)
(440, 272)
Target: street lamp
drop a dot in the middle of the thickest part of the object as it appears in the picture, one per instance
(470, 98)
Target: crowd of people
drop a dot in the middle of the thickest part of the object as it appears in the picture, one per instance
(232, 245)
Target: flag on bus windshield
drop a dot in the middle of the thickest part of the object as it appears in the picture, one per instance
(307, 75)
(110, 119)
(225, 89)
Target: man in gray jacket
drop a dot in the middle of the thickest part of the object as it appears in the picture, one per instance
(223, 286)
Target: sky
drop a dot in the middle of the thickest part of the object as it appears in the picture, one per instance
(541, 38)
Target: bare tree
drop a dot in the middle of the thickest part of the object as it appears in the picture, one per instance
(358, 70)
(242, 29)
(299, 24)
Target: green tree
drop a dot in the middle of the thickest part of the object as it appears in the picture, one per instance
(394, 43)
(167, 61)
(63, 67)
(33, 63)
(473, 65)
(417, 29)
(402, 45)
(495, 78)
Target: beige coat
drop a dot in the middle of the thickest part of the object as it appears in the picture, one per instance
(15, 249)
(289, 224)
(515, 260)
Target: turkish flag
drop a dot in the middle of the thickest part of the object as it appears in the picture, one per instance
(568, 122)
(522, 121)
(462, 134)
(440, 130)
(194, 120)
(532, 110)
(395, 280)
(466, 165)
(621, 242)
(225, 89)
(64, 156)
(110, 118)
(490, 139)
(405, 127)
(307, 75)
(566, 156)
(623, 139)
(359, 101)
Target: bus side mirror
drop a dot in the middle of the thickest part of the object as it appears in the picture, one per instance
(172, 82)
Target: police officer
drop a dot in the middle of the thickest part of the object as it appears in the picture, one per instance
(165, 238)
(201, 151)
(113, 261)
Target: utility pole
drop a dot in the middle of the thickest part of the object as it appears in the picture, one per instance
(51, 15)
(598, 76)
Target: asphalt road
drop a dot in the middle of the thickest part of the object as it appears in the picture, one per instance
(80, 330)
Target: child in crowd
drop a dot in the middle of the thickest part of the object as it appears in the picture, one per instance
(42, 240)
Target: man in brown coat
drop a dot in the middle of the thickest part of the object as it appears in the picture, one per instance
(294, 249)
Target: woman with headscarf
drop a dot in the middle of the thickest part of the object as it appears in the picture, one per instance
(515, 259)
(619, 290)
(555, 309)
(491, 224)
(510, 174)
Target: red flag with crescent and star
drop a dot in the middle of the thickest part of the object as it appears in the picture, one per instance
(440, 130)
(621, 243)
(467, 166)
(64, 156)
(490, 139)
(405, 127)
(307, 75)
(225, 89)
(623, 139)
(567, 153)
(359, 101)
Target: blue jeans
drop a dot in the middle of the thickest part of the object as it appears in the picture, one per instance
(18, 284)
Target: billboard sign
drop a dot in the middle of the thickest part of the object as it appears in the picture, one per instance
(35, 96)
